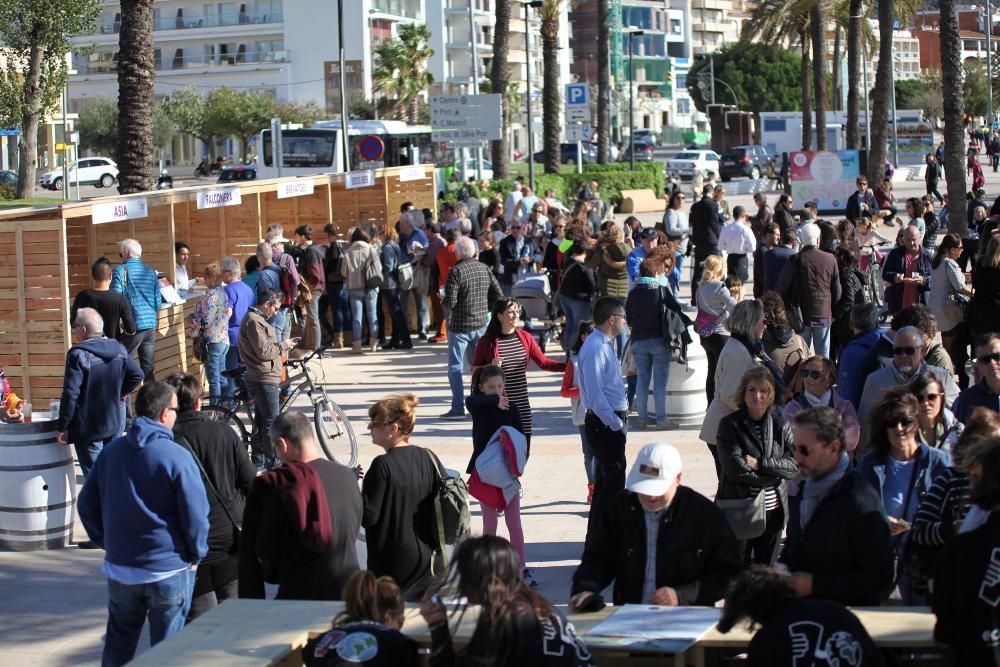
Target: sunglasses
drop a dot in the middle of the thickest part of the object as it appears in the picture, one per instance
(803, 450)
(517, 227)
(928, 398)
(815, 375)
(905, 422)
(987, 358)
(905, 351)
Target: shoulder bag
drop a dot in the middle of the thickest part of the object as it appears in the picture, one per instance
(373, 275)
(237, 527)
(452, 522)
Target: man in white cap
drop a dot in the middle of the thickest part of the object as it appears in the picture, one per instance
(660, 542)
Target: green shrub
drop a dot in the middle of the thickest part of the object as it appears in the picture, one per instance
(7, 192)
(613, 181)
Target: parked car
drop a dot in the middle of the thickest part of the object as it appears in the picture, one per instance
(647, 137)
(239, 172)
(8, 177)
(567, 154)
(643, 152)
(99, 171)
(470, 167)
(750, 161)
(686, 163)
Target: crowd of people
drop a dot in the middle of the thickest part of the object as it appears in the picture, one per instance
(856, 463)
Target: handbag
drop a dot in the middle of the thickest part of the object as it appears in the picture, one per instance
(746, 516)
(199, 348)
(957, 305)
(237, 527)
(628, 361)
(373, 275)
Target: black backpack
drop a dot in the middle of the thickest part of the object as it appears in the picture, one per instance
(333, 261)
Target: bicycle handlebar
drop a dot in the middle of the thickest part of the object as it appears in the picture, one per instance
(320, 351)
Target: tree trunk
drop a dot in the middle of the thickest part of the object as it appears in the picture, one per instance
(603, 82)
(806, 95)
(135, 97)
(817, 22)
(499, 75)
(854, 77)
(835, 80)
(27, 147)
(880, 97)
(550, 93)
(954, 110)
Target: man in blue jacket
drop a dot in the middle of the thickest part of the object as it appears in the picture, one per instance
(145, 505)
(99, 375)
(852, 375)
(141, 287)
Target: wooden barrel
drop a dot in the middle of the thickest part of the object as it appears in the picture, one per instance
(37, 488)
(686, 403)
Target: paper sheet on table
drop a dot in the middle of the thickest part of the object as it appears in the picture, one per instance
(654, 628)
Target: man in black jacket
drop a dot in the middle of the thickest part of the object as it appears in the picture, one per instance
(516, 255)
(706, 225)
(862, 203)
(660, 542)
(838, 537)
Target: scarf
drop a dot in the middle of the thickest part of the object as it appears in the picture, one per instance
(818, 401)
(779, 333)
(815, 490)
(756, 350)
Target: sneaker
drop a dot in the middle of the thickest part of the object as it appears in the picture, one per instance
(438, 339)
(454, 414)
(421, 336)
(665, 425)
(529, 579)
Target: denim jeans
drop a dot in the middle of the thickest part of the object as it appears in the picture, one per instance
(400, 328)
(166, 602)
(652, 358)
(337, 301)
(312, 334)
(588, 454)
(145, 343)
(423, 322)
(282, 323)
(576, 311)
(460, 346)
(819, 337)
(87, 450)
(215, 363)
(363, 302)
(232, 361)
(267, 397)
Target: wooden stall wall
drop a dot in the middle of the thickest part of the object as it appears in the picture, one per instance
(420, 191)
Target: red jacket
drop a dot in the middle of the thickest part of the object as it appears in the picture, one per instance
(567, 390)
(488, 349)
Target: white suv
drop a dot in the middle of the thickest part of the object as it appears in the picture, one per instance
(686, 163)
(99, 171)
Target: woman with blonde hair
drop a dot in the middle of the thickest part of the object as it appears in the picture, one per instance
(397, 493)
(715, 303)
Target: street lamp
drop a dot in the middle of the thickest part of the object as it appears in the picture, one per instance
(865, 56)
(892, 99)
(535, 4)
(631, 99)
(988, 23)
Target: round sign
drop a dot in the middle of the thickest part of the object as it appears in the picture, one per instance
(371, 147)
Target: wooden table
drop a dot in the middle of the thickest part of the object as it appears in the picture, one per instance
(248, 633)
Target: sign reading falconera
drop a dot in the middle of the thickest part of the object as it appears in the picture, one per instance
(115, 211)
(219, 198)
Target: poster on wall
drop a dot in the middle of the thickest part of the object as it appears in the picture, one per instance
(826, 177)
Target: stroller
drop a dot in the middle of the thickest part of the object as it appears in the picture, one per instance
(533, 292)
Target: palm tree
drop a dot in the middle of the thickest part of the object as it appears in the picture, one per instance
(400, 73)
(603, 82)
(549, 13)
(135, 97)
(954, 109)
(500, 78)
(806, 91)
(817, 29)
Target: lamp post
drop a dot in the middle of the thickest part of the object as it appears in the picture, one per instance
(631, 100)
(892, 99)
(527, 72)
(474, 83)
(343, 87)
(865, 56)
(989, 64)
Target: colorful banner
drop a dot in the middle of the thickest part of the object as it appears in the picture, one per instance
(826, 177)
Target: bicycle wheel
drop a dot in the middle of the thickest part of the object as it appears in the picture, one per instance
(220, 413)
(336, 436)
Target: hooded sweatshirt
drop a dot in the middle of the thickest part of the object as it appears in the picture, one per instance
(145, 503)
(99, 371)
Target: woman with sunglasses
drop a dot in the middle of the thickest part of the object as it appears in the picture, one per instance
(901, 469)
(938, 427)
(755, 450)
(817, 376)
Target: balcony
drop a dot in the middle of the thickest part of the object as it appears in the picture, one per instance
(195, 22)
(180, 62)
(398, 8)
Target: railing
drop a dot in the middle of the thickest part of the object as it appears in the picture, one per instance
(168, 63)
(397, 8)
(194, 22)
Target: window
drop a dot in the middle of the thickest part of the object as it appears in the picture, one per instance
(680, 81)
(775, 125)
(675, 27)
(683, 105)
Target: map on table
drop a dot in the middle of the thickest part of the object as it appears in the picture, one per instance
(653, 628)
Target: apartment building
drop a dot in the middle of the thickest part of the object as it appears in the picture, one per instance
(972, 32)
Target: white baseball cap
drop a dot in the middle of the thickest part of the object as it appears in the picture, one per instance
(654, 470)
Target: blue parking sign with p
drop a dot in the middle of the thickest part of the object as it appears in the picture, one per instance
(576, 94)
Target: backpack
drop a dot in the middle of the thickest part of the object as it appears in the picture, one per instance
(334, 262)
(452, 522)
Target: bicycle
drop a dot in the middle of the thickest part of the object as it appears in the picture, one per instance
(333, 429)
(872, 291)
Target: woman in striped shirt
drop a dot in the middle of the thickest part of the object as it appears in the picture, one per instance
(510, 347)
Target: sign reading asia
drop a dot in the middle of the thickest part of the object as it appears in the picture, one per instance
(219, 198)
(116, 211)
(826, 177)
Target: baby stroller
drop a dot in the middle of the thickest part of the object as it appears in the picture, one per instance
(533, 292)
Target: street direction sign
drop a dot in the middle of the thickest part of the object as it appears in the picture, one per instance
(371, 147)
(578, 132)
(577, 114)
(576, 95)
(466, 118)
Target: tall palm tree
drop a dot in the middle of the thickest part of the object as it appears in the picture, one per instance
(135, 97)
(817, 30)
(500, 79)
(954, 110)
(603, 82)
(400, 73)
(549, 13)
(804, 77)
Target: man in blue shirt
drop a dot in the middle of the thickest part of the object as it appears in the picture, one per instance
(241, 298)
(413, 242)
(648, 239)
(602, 391)
(141, 287)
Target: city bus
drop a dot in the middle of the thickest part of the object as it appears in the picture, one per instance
(318, 149)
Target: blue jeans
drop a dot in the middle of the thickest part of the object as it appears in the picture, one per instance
(232, 361)
(87, 449)
(144, 343)
(267, 397)
(652, 358)
(819, 337)
(588, 454)
(423, 322)
(576, 311)
(400, 327)
(363, 301)
(460, 345)
(166, 602)
(215, 363)
(337, 301)
(282, 323)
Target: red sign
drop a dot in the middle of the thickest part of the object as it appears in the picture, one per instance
(371, 147)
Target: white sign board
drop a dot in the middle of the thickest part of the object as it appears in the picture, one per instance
(298, 188)
(127, 209)
(578, 132)
(411, 174)
(359, 179)
(219, 198)
(466, 117)
(371, 164)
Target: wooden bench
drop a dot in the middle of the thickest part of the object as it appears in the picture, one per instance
(251, 633)
(641, 201)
